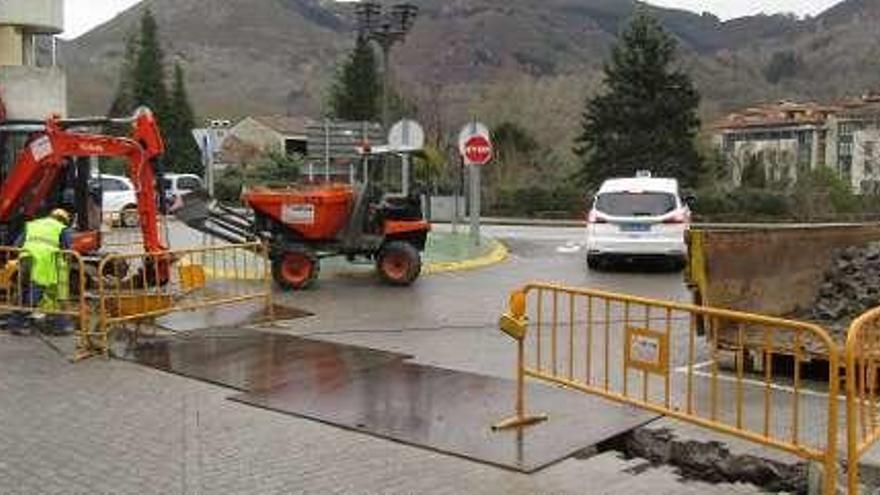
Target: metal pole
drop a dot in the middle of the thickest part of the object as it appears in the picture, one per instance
(386, 84)
(459, 188)
(475, 203)
(326, 150)
(208, 162)
(404, 157)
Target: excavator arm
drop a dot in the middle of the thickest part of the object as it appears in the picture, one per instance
(41, 163)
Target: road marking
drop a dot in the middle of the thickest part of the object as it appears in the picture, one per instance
(756, 383)
(683, 369)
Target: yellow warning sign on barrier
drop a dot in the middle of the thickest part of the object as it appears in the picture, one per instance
(647, 350)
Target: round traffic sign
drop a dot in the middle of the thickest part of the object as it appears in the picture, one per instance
(478, 150)
(406, 135)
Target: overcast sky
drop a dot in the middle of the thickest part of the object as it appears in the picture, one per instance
(82, 15)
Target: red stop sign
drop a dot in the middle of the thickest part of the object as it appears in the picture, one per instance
(478, 150)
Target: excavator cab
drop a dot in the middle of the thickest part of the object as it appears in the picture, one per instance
(51, 169)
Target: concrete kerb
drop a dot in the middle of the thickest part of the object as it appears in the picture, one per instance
(497, 254)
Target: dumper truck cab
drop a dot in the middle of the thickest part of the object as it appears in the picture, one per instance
(642, 217)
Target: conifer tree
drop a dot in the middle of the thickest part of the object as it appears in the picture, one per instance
(142, 83)
(646, 119)
(357, 91)
(123, 102)
(149, 69)
(183, 151)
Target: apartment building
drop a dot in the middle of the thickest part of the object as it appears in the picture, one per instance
(787, 138)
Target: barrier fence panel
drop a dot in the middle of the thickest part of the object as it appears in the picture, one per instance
(862, 394)
(647, 353)
(60, 299)
(139, 287)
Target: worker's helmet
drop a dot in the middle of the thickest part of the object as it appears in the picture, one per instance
(61, 215)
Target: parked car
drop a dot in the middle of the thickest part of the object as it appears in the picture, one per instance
(637, 218)
(177, 185)
(118, 200)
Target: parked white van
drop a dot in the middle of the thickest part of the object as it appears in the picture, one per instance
(637, 218)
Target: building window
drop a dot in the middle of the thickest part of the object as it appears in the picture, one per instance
(295, 147)
(845, 166)
(728, 143)
(805, 149)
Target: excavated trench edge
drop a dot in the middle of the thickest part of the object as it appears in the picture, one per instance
(707, 461)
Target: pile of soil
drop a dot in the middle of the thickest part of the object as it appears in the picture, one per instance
(850, 287)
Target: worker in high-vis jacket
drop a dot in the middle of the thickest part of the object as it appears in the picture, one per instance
(44, 272)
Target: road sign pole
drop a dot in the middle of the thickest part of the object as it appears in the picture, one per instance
(208, 162)
(405, 174)
(475, 203)
(475, 146)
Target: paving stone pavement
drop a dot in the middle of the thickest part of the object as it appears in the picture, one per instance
(113, 427)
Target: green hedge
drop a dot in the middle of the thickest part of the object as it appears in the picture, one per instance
(539, 202)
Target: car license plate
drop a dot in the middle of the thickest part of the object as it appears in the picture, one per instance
(635, 227)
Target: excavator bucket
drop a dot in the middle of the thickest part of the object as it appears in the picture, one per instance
(201, 212)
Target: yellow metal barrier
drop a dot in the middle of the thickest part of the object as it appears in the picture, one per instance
(862, 394)
(137, 288)
(646, 353)
(66, 299)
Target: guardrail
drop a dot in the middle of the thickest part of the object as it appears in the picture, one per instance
(62, 301)
(137, 288)
(646, 353)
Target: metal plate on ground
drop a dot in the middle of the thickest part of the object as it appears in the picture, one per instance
(252, 360)
(241, 314)
(452, 412)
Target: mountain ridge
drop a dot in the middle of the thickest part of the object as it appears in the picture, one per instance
(278, 56)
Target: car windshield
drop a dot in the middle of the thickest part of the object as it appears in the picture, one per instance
(630, 204)
(167, 184)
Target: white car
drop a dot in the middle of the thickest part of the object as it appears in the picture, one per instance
(178, 185)
(118, 200)
(637, 218)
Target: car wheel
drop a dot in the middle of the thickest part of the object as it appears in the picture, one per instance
(594, 262)
(678, 264)
(129, 217)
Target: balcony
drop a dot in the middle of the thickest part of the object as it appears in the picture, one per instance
(33, 16)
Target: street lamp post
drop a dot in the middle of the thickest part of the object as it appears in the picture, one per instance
(385, 28)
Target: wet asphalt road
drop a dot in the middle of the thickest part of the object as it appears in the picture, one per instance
(450, 319)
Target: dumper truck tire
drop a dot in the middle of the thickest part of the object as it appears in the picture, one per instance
(295, 268)
(399, 263)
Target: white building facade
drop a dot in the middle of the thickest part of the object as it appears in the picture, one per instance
(31, 85)
(786, 139)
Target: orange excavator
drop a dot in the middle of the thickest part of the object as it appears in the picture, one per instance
(47, 166)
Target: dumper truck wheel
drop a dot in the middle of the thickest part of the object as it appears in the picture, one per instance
(399, 263)
(296, 268)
